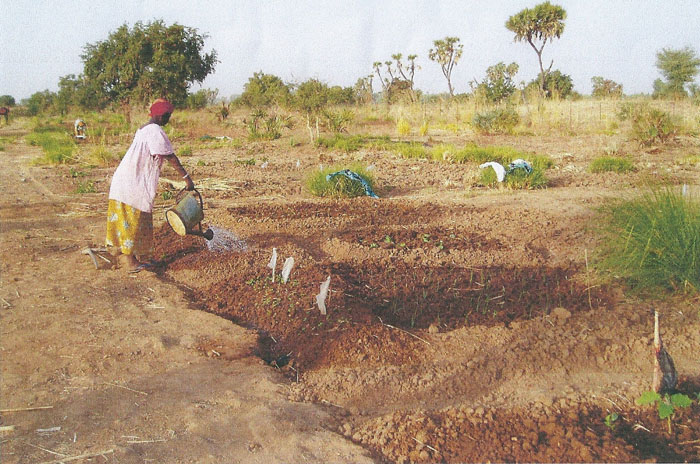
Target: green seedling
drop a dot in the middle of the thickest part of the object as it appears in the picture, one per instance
(666, 404)
(610, 420)
(426, 238)
(388, 239)
(167, 195)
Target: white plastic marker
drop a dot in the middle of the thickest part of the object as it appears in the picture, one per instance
(287, 268)
(273, 263)
(498, 167)
(321, 297)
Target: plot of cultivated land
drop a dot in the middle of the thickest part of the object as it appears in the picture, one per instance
(463, 323)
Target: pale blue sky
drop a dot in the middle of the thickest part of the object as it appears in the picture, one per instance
(337, 41)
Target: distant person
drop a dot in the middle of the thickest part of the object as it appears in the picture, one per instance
(79, 129)
(5, 112)
(133, 189)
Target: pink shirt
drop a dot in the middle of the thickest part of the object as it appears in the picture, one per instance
(135, 181)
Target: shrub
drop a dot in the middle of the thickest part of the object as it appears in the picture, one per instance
(339, 186)
(496, 121)
(337, 121)
(649, 125)
(263, 127)
(652, 241)
(612, 164)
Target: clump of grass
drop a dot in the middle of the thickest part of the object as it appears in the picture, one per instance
(58, 146)
(612, 164)
(410, 150)
(518, 179)
(101, 155)
(423, 129)
(652, 241)
(338, 186)
(476, 154)
(346, 143)
(443, 152)
(403, 127)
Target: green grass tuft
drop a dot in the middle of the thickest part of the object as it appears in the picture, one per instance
(612, 164)
(652, 241)
(516, 180)
(339, 186)
(58, 146)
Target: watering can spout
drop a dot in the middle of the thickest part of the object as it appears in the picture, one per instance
(208, 234)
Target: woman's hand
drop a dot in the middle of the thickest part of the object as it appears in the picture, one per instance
(190, 183)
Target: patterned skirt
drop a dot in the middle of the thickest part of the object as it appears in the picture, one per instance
(129, 229)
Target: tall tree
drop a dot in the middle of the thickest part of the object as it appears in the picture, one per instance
(537, 26)
(679, 67)
(399, 82)
(447, 53)
(264, 90)
(498, 84)
(147, 61)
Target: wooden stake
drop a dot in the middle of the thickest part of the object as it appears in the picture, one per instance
(2, 411)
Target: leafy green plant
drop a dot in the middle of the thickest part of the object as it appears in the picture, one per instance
(185, 150)
(652, 241)
(263, 127)
(86, 186)
(612, 164)
(167, 195)
(649, 125)
(496, 121)
(611, 420)
(337, 121)
(666, 404)
(338, 186)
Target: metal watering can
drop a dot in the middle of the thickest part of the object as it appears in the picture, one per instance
(187, 214)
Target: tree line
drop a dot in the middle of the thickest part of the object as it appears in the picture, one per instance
(153, 60)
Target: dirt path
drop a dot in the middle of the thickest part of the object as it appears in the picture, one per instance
(118, 361)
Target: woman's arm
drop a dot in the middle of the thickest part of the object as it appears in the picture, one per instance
(175, 163)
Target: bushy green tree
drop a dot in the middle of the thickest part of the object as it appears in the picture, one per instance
(39, 102)
(146, 62)
(679, 67)
(310, 98)
(556, 85)
(201, 98)
(446, 53)
(605, 88)
(537, 26)
(363, 90)
(338, 95)
(265, 90)
(498, 84)
(7, 100)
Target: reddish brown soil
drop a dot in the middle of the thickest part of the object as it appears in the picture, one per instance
(464, 324)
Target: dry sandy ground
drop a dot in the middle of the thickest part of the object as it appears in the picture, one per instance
(112, 362)
(131, 372)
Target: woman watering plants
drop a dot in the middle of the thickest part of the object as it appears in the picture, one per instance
(133, 189)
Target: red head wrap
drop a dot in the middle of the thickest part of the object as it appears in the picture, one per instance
(160, 107)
